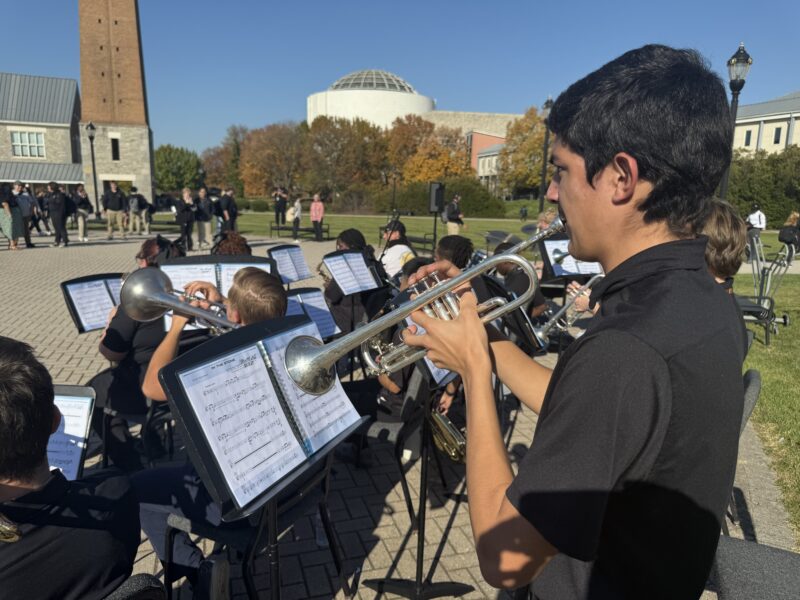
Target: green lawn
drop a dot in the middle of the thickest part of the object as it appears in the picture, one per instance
(777, 414)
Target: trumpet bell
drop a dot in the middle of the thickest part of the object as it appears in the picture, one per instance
(139, 288)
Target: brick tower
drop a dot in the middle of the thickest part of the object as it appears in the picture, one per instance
(113, 96)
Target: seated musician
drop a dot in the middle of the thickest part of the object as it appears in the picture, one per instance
(398, 250)
(254, 296)
(623, 489)
(231, 243)
(727, 239)
(130, 344)
(59, 539)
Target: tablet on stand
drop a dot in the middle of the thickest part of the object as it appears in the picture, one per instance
(66, 448)
(90, 299)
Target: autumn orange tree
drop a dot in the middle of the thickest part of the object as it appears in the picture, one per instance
(520, 163)
(272, 156)
(404, 139)
(441, 155)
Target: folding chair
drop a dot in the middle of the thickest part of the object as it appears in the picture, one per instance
(142, 586)
(744, 570)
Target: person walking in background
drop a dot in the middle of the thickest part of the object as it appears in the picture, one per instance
(27, 207)
(296, 215)
(317, 212)
(455, 218)
(43, 214)
(184, 216)
(10, 217)
(281, 198)
(58, 205)
(227, 205)
(137, 207)
(83, 208)
(114, 207)
(203, 213)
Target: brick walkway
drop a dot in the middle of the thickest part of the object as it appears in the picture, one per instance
(367, 506)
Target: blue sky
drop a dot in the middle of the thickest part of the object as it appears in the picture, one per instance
(210, 64)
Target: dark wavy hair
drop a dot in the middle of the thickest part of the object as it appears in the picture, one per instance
(455, 248)
(669, 111)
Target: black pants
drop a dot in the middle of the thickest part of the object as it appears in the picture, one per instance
(280, 216)
(295, 227)
(35, 219)
(229, 225)
(186, 234)
(60, 226)
(317, 230)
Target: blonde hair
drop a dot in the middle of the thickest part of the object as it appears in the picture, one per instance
(257, 296)
(727, 238)
(791, 220)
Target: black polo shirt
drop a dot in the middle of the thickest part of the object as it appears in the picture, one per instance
(633, 459)
(79, 539)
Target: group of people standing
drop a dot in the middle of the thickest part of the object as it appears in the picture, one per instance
(294, 213)
(205, 211)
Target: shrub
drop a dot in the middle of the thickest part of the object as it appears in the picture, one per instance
(259, 205)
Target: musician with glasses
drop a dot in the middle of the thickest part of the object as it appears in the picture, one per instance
(628, 477)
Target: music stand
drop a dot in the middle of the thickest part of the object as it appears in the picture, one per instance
(309, 298)
(292, 265)
(201, 450)
(102, 289)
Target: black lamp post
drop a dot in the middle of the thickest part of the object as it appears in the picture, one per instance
(90, 131)
(738, 67)
(548, 104)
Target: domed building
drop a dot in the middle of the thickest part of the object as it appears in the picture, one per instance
(376, 96)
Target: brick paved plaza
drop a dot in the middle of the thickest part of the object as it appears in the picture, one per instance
(366, 503)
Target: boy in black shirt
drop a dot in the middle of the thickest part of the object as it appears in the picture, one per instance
(58, 539)
(631, 467)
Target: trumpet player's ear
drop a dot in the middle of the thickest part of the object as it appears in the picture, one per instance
(233, 315)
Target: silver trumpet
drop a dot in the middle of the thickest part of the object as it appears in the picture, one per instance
(566, 316)
(147, 294)
(310, 363)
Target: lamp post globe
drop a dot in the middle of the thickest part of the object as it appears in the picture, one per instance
(548, 104)
(91, 130)
(738, 67)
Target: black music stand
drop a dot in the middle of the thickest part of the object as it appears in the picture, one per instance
(419, 589)
(289, 278)
(206, 462)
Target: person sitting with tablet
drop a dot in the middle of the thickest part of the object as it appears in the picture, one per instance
(58, 539)
(254, 296)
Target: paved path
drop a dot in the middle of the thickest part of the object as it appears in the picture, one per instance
(367, 504)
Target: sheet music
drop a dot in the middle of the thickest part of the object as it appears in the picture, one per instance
(317, 309)
(114, 286)
(227, 271)
(92, 302)
(180, 275)
(342, 274)
(361, 271)
(65, 447)
(323, 417)
(291, 264)
(437, 373)
(294, 306)
(243, 421)
(565, 265)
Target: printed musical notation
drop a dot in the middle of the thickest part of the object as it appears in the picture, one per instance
(238, 409)
(65, 447)
(114, 288)
(351, 273)
(227, 271)
(92, 301)
(180, 275)
(294, 306)
(564, 264)
(291, 264)
(317, 309)
(320, 418)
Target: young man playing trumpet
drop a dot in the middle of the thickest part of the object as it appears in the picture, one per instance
(622, 490)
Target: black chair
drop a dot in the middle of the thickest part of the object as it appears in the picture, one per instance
(139, 587)
(244, 537)
(745, 570)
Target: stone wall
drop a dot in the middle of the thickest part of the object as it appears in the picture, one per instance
(491, 123)
(57, 142)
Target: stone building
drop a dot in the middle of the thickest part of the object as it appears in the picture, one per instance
(114, 96)
(39, 129)
(486, 168)
(770, 126)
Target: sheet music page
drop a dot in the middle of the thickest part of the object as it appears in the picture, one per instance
(65, 446)
(361, 271)
(564, 264)
(317, 308)
(243, 421)
(180, 275)
(92, 303)
(323, 417)
(227, 271)
(341, 272)
(437, 373)
(114, 286)
(286, 268)
(294, 305)
(299, 262)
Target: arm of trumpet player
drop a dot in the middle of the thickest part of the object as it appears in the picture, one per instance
(511, 552)
(165, 353)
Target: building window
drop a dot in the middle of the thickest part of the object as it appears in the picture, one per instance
(777, 138)
(114, 149)
(27, 144)
(747, 136)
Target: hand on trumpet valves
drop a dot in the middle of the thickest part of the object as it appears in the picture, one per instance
(581, 295)
(180, 321)
(208, 290)
(460, 345)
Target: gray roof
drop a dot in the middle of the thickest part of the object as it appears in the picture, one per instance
(789, 103)
(373, 79)
(41, 172)
(32, 99)
(490, 150)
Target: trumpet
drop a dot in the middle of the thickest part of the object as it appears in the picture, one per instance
(447, 437)
(147, 295)
(310, 363)
(566, 316)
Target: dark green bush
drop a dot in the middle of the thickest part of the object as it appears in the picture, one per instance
(258, 205)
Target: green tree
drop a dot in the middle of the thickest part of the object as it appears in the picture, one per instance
(519, 167)
(770, 180)
(476, 201)
(176, 168)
